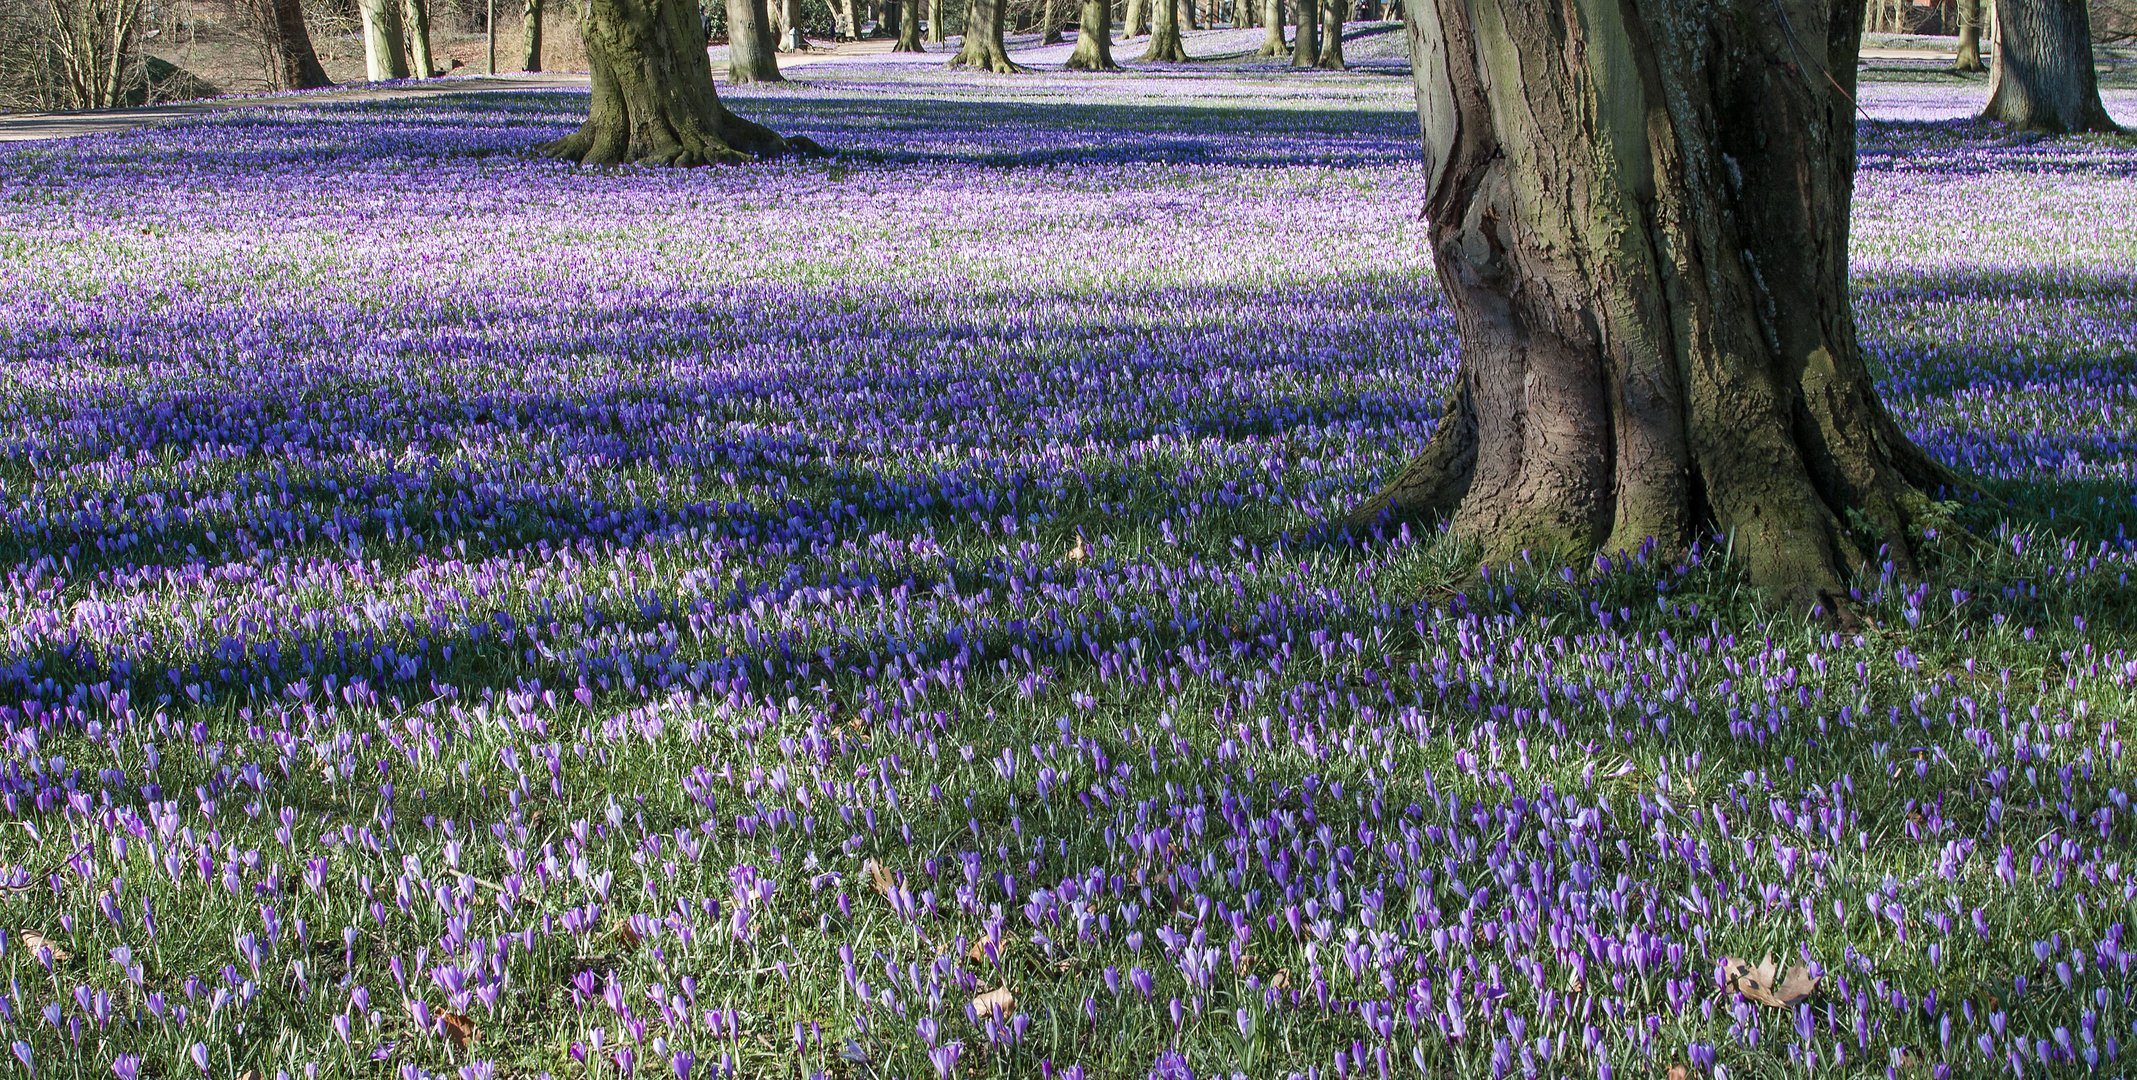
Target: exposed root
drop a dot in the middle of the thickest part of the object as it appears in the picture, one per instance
(990, 61)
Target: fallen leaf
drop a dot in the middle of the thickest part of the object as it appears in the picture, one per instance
(999, 1003)
(1244, 964)
(459, 1030)
(34, 941)
(249, 1074)
(978, 951)
(1765, 983)
(1077, 553)
(627, 935)
(878, 877)
(1281, 980)
(1677, 1072)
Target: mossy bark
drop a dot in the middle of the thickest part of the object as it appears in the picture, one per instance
(1332, 35)
(293, 63)
(385, 57)
(983, 49)
(1272, 27)
(1165, 44)
(752, 55)
(530, 34)
(415, 28)
(1094, 39)
(1306, 36)
(2042, 78)
(653, 97)
(1640, 221)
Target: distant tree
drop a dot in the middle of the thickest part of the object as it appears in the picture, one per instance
(530, 33)
(72, 54)
(1305, 40)
(936, 33)
(1135, 21)
(1640, 221)
(653, 97)
(415, 28)
(2041, 77)
(1272, 28)
(983, 48)
(1094, 38)
(1049, 26)
(909, 27)
(1332, 12)
(292, 63)
(751, 53)
(1165, 43)
(1967, 58)
(385, 52)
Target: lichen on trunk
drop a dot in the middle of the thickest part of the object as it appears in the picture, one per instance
(1639, 216)
(653, 97)
(1094, 39)
(983, 49)
(2041, 77)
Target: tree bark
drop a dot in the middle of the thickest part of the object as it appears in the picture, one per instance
(653, 97)
(1272, 27)
(415, 24)
(1165, 44)
(1332, 35)
(1134, 22)
(983, 49)
(530, 35)
(384, 56)
(790, 35)
(1094, 39)
(1305, 38)
(1186, 16)
(2042, 78)
(935, 30)
(1050, 27)
(1639, 215)
(751, 55)
(909, 28)
(293, 63)
(1967, 58)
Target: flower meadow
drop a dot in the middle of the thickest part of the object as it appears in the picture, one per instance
(878, 617)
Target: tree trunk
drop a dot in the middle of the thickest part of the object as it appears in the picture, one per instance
(1244, 15)
(1187, 17)
(1049, 26)
(983, 49)
(415, 23)
(935, 30)
(530, 35)
(653, 98)
(293, 62)
(1094, 39)
(909, 28)
(790, 35)
(1332, 35)
(751, 57)
(1306, 39)
(1272, 28)
(2043, 78)
(1968, 56)
(384, 57)
(1165, 44)
(1640, 220)
(1133, 22)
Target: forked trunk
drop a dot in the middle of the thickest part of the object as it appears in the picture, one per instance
(1049, 26)
(983, 49)
(1134, 21)
(908, 27)
(653, 98)
(1272, 28)
(293, 63)
(935, 30)
(751, 57)
(1640, 221)
(2042, 78)
(1332, 35)
(1094, 38)
(415, 24)
(1306, 39)
(530, 35)
(1165, 43)
(384, 56)
(1967, 57)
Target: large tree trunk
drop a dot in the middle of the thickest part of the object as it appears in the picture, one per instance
(1306, 39)
(1639, 215)
(1094, 39)
(1165, 43)
(790, 35)
(751, 57)
(1272, 28)
(1134, 22)
(935, 30)
(983, 49)
(909, 27)
(384, 56)
(530, 34)
(2042, 78)
(1968, 55)
(653, 98)
(293, 63)
(415, 24)
(1332, 35)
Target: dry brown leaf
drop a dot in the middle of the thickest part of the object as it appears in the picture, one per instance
(998, 1002)
(978, 951)
(1765, 983)
(1244, 964)
(459, 1030)
(625, 934)
(249, 1074)
(33, 941)
(878, 877)
(1077, 553)
(1281, 980)
(1677, 1072)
